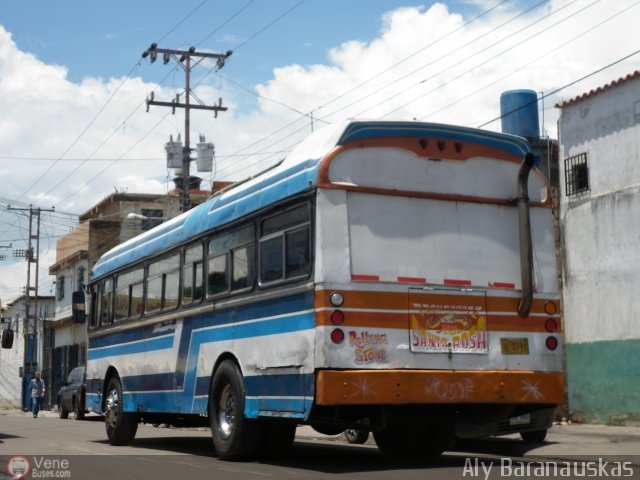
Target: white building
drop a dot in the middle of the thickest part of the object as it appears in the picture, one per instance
(12, 360)
(600, 222)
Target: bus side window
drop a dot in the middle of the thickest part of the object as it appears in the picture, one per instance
(231, 261)
(192, 275)
(106, 303)
(217, 275)
(285, 245)
(271, 259)
(94, 304)
(128, 296)
(163, 279)
(242, 272)
(298, 258)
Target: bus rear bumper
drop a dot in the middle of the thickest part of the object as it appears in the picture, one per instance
(396, 387)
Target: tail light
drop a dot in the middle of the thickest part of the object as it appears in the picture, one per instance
(551, 343)
(337, 317)
(551, 325)
(337, 335)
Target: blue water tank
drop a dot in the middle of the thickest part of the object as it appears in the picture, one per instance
(519, 113)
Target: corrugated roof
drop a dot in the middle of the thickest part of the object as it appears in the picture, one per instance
(604, 88)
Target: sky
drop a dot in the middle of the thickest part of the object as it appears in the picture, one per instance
(74, 126)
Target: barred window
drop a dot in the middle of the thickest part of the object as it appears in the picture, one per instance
(576, 175)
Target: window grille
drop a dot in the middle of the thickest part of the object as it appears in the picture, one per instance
(576, 175)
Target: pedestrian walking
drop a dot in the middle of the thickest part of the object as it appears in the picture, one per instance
(37, 392)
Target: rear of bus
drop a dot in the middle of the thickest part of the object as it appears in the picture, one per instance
(422, 275)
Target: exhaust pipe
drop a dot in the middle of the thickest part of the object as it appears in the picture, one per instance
(524, 230)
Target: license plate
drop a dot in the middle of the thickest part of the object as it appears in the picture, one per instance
(514, 346)
(521, 420)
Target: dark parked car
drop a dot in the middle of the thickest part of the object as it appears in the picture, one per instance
(71, 397)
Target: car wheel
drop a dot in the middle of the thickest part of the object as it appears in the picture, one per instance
(62, 412)
(234, 436)
(356, 435)
(78, 410)
(536, 436)
(121, 426)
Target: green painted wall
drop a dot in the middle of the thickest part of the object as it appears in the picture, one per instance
(603, 381)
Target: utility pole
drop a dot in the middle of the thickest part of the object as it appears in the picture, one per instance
(31, 258)
(183, 58)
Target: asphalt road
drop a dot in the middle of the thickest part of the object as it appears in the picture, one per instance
(57, 448)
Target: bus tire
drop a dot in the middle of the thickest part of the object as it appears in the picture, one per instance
(121, 426)
(234, 436)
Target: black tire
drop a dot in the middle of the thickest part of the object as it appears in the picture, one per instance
(429, 441)
(536, 436)
(62, 412)
(234, 436)
(121, 426)
(78, 410)
(356, 436)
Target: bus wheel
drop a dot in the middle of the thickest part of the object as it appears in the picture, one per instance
(121, 426)
(234, 436)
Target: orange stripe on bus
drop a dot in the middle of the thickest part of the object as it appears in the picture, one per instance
(399, 301)
(401, 387)
(400, 320)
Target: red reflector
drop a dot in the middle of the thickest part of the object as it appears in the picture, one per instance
(551, 343)
(337, 317)
(365, 278)
(551, 325)
(457, 283)
(502, 285)
(412, 280)
(337, 335)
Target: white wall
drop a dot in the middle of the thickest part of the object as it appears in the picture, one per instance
(601, 229)
(10, 362)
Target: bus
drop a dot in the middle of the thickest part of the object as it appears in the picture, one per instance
(393, 277)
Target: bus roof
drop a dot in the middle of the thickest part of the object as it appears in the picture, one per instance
(295, 174)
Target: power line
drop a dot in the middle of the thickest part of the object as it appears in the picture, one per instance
(447, 54)
(238, 12)
(530, 62)
(370, 78)
(95, 117)
(269, 25)
(484, 62)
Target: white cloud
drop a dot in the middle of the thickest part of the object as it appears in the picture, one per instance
(414, 68)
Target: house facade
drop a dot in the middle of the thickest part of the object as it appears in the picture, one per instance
(32, 337)
(599, 136)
